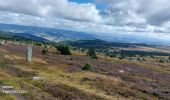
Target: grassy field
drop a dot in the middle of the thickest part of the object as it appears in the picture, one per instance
(57, 77)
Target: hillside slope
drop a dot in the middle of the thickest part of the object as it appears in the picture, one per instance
(56, 76)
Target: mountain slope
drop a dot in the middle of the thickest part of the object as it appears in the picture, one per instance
(57, 35)
(46, 33)
(19, 36)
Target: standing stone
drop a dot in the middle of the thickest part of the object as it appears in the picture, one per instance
(29, 54)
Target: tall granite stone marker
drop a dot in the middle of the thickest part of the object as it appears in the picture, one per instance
(29, 53)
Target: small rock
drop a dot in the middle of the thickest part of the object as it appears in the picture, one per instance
(121, 71)
(37, 78)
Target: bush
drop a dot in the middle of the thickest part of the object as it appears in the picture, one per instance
(65, 50)
(44, 51)
(92, 53)
(112, 55)
(161, 61)
(87, 67)
(121, 56)
(138, 59)
(37, 44)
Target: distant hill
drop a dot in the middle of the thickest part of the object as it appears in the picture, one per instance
(54, 35)
(104, 44)
(20, 37)
(128, 49)
(57, 35)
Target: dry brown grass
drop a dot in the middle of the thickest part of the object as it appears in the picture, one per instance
(58, 82)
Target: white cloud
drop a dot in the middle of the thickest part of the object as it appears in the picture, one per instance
(52, 8)
(150, 18)
(154, 12)
(121, 16)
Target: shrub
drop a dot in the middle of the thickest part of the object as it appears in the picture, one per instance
(161, 61)
(121, 56)
(112, 55)
(37, 44)
(87, 67)
(138, 59)
(44, 51)
(65, 50)
(92, 53)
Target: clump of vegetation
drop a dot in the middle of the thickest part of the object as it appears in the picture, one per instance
(122, 56)
(44, 51)
(112, 55)
(65, 50)
(92, 53)
(38, 44)
(87, 67)
(161, 61)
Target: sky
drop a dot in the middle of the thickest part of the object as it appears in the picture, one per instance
(146, 18)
